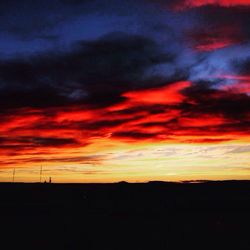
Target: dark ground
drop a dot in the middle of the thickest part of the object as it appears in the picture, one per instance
(156, 215)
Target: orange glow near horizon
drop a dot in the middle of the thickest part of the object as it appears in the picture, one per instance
(145, 137)
(141, 163)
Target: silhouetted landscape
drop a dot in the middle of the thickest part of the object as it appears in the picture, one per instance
(155, 215)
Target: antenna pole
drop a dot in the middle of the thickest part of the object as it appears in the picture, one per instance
(41, 170)
(13, 177)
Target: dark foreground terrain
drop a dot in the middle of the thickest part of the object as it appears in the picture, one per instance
(156, 215)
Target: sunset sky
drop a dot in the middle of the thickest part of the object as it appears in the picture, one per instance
(124, 90)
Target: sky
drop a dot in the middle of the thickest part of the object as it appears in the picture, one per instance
(122, 90)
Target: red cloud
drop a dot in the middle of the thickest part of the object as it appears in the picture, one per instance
(226, 3)
(165, 95)
(214, 38)
(180, 5)
(240, 86)
(235, 77)
(201, 121)
(198, 3)
(175, 112)
(209, 140)
(212, 44)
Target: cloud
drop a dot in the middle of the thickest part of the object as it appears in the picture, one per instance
(209, 140)
(212, 24)
(239, 82)
(79, 160)
(165, 95)
(219, 27)
(39, 141)
(117, 60)
(217, 37)
(241, 149)
(184, 4)
(60, 104)
(242, 67)
(181, 109)
(134, 135)
(215, 101)
(227, 3)
(200, 114)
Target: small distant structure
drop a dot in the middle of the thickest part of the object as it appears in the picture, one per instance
(50, 181)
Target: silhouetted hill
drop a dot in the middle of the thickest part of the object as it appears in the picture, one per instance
(155, 215)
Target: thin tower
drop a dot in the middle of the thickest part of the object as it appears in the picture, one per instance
(41, 171)
(13, 176)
